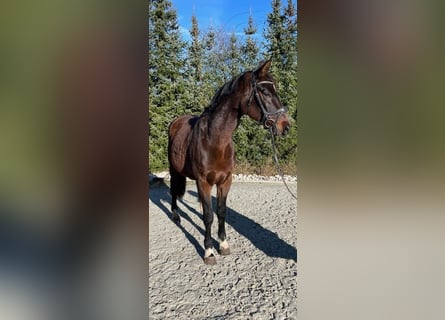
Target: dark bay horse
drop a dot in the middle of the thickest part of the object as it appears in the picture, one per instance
(201, 147)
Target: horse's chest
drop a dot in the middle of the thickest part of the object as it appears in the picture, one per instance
(222, 159)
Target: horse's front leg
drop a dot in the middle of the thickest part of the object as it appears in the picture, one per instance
(204, 191)
(222, 191)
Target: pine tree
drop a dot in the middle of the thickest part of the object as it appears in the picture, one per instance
(250, 50)
(216, 71)
(166, 83)
(234, 56)
(274, 32)
(290, 63)
(208, 72)
(195, 50)
(196, 95)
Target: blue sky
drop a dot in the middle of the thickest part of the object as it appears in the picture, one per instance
(231, 14)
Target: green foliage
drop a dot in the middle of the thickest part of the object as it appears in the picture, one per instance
(166, 78)
(249, 49)
(183, 77)
(196, 96)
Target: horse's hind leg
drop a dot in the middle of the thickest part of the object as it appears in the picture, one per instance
(222, 191)
(177, 189)
(204, 190)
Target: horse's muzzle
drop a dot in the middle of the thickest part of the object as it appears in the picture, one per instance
(282, 126)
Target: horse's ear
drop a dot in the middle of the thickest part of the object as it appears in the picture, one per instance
(263, 68)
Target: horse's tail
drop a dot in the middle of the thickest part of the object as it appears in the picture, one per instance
(177, 180)
(177, 184)
(170, 141)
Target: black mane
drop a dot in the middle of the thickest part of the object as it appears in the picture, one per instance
(222, 93)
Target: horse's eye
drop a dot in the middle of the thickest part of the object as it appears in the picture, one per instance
(265, 92)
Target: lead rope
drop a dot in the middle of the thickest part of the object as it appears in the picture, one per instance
(276, 162)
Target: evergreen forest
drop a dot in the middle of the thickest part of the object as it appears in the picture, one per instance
(185, 74)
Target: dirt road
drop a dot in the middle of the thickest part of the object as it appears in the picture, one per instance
(258, 280)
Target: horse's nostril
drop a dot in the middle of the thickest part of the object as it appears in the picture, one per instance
(286, 129)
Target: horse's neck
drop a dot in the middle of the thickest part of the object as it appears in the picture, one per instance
(223, 121)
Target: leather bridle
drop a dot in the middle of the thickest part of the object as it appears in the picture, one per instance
(268, 119)
(269, 123)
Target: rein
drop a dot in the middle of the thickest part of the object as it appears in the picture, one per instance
(277, 165)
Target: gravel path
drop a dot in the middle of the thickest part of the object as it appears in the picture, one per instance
(258, 280)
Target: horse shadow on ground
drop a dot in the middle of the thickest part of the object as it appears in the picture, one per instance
(262, 238)
(159, 192)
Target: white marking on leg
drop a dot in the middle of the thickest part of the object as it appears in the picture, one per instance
(209, 252)
(224, 244)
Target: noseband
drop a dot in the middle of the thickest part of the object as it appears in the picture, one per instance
(268, 119)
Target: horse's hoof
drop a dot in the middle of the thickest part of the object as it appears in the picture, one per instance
(210, 260)
(224, 251)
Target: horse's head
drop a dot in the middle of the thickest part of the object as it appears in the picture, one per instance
(264, 105)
